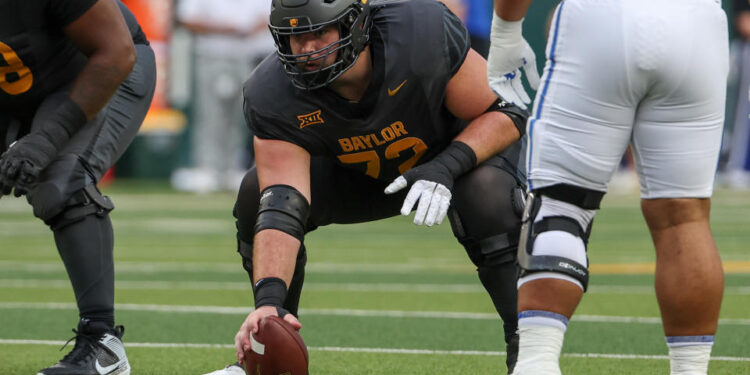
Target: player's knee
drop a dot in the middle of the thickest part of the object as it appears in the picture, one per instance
(555, 232)
(490, 250)
(669, 212)
(246, 207)
(489, 191)
(59, 210)
(486, 215)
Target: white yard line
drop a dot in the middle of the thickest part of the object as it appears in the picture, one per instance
(370, 350)
(226, 310)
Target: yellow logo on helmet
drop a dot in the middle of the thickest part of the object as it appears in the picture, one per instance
(364, 1)
(293, 22)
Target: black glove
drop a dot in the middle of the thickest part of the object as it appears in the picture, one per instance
(22, 163)
(431, 183)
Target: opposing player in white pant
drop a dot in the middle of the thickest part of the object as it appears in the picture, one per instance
(633, 72)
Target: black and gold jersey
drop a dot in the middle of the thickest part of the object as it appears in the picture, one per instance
(401, 121)
(36, 58)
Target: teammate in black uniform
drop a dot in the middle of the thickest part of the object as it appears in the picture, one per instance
(359, 95)
(76, 81)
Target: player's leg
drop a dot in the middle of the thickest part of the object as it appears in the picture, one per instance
(485, 216)
(580, 127)
(689, 279)
(676, 144)
(66, 198)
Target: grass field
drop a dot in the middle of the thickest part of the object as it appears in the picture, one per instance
(380, 298)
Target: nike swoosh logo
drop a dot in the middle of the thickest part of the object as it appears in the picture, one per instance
(394, 91)
(107, 369)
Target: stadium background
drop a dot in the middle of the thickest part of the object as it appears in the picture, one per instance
(380, 298)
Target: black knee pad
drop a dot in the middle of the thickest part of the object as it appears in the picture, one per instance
(489, 251)
(58, 211)
(492, 251)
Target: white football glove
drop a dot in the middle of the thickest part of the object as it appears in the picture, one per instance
(434, 200)
(509, 52)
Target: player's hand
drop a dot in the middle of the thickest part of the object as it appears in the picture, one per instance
(242, 338)
(22, 163)
(509, 52)
(431, 185)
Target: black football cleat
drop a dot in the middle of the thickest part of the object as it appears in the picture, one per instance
(98, 351)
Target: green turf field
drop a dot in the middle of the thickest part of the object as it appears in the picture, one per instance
(380, 298)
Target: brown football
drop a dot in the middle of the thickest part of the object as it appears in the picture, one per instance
(277, 349)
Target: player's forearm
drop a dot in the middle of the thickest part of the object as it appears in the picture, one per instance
(100, 78)
(511, 10)
(274, 255)
(489, 134)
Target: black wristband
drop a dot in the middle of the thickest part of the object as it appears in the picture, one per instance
(458, 157)
(67, 119)
(269, 291)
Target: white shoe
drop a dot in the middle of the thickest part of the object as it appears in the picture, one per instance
(233, 369)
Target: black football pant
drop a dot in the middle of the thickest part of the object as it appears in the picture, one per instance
(66, 197)
(484, 217)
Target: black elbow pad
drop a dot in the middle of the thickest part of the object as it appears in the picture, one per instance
(283, 208)
(518, 115)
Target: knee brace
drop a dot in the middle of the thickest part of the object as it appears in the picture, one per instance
(561, 255)
(59, 213)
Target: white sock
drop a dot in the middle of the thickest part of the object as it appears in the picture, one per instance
(541, 338)
(689, 355)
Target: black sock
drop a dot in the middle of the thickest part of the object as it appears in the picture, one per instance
(86, 249)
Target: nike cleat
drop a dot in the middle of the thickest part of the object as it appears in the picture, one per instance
(97, 351)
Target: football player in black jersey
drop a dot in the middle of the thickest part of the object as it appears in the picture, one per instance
(76, 81)
(368, 110)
